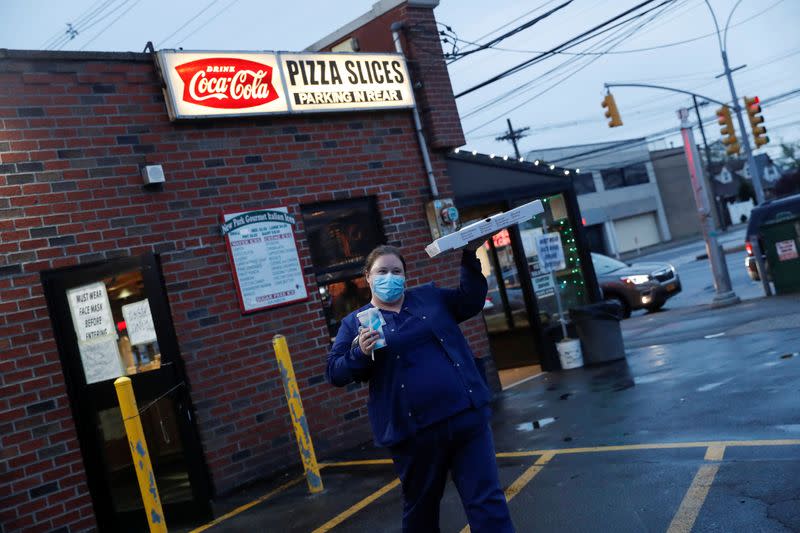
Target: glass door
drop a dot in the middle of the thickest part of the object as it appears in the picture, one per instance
(507, 308)
(111, 320)
(569, 281)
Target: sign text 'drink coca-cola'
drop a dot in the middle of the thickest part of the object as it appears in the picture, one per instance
(227, 83)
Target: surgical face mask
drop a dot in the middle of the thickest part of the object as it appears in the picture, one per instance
(388, 287)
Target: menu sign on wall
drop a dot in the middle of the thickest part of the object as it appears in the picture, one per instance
(94, 328)
(214, 84)
(263, 251)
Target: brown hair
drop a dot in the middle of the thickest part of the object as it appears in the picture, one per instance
(383, 249)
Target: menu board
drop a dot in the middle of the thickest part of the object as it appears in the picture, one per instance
(263, 251)
(94, 328)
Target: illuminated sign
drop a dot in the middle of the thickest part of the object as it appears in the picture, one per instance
(215, 84)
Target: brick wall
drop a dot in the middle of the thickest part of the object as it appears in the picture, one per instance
(423, 50)
(74, 130)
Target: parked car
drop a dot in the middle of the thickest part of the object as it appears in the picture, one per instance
(766, 212)
(638, 286)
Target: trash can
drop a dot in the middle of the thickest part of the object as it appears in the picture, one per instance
(550, 359)
(782, 246)
(599, 331)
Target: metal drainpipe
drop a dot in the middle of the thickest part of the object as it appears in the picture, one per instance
(423, 146)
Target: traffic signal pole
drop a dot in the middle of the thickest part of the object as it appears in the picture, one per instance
(751, 161)
(724, 295)
(723, 46)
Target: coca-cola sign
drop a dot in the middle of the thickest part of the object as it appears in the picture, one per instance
(227, 83)
(204, 85)
(215, 84)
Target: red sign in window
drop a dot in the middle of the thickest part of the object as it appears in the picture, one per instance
(501, 238)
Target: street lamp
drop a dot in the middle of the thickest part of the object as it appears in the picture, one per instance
(723, 47)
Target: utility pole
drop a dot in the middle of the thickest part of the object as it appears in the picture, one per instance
(723, 48)
(751, 161)
(513, 135)
(722, 282)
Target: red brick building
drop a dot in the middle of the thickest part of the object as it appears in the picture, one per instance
(75, 131)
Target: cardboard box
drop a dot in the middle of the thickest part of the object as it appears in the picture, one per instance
(484, 227)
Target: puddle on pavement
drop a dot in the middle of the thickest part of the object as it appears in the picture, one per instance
(536, 424)
(712, 386)
(643, 380)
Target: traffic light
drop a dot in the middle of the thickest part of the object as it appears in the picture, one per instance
(728, 132)
(753, 106)
(611, 111)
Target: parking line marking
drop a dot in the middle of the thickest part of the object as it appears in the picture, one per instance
(359, 463)
(684, 519)
(505, 455)
(341, 517)
(715, 453)
(519, 483)
(247, 506)
(656, 446)
(528, 475)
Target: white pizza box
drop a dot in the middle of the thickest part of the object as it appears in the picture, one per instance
(483, 227)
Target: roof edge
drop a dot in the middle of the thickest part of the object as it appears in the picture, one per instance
(6, 53)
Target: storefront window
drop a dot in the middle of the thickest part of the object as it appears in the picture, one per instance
(340, 236)
(569, 281)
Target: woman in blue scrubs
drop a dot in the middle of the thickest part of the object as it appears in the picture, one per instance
(428, 398)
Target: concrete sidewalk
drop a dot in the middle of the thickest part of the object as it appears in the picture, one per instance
(630, 446)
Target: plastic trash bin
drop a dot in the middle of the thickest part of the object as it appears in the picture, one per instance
(782, 246)
(599, 331)
(550, 359)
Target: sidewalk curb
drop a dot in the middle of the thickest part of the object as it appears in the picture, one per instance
(733, 250)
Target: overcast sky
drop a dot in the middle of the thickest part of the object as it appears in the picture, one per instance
(561, 107)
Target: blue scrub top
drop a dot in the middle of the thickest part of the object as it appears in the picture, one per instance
(426, 372)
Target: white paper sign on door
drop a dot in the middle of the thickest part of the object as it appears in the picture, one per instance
(139, 322)
(550, 251)
(94, 329)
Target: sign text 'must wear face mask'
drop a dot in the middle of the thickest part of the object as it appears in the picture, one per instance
(212, 84)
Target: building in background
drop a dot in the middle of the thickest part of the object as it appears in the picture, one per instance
(618, 194)
(675, 186)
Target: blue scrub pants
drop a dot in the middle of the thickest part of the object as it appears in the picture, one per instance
(462, 445)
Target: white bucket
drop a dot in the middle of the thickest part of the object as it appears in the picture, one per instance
(569, 352)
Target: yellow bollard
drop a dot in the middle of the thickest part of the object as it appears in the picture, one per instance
(298, 415)
(141, 457)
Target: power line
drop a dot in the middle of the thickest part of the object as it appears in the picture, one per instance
(101, 32)
(575, 71)
(510, 33)
(517, 91)
(646, 49)
(208, 21)
(59, 34)
(165, 39)
(550, 52)
(104, 11)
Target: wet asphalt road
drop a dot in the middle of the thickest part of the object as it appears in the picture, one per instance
(706, 434)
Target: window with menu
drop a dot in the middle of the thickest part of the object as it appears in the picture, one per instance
(340, 235)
